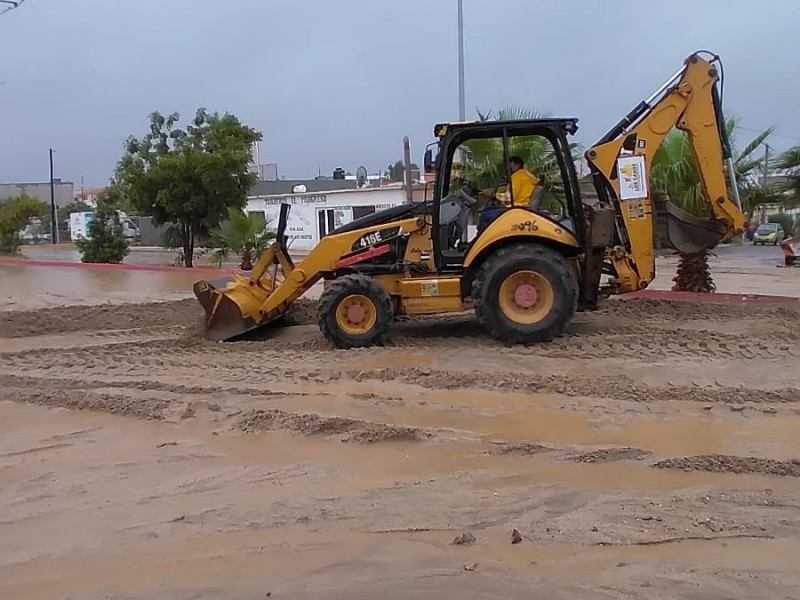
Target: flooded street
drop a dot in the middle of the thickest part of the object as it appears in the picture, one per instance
(30, 287)
(650, 453)
(737, 269)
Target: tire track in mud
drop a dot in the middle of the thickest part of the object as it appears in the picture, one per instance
(78, 399)
(124, 316)
(349, 430)
(648, 344)
(147, 358)
(615, 388)
(723, 463)
(90, 396)
(596, 335)
(70, 319)
(41, 383)
(235, 369)
(645, 309)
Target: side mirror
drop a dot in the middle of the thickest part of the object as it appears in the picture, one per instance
(431, 163)
(428, 162)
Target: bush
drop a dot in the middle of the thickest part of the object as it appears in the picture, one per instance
(105, 242)
(14, 215)
(784, 221)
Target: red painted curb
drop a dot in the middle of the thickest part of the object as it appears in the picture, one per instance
(105, 266)
(708, 298)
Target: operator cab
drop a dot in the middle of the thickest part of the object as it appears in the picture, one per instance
(474, 164)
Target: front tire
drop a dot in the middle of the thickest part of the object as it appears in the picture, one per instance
(355, 311)
(525, 293)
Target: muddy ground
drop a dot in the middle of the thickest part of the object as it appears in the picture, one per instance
(652, 453)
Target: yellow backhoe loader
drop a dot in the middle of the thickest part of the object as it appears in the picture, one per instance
(527, 269)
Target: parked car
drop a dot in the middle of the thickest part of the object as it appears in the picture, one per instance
(768, 233)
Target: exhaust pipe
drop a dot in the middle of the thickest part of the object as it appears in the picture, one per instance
(407, 160)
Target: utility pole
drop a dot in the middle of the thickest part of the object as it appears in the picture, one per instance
(462, 111)
(766, 164)
(53, 215)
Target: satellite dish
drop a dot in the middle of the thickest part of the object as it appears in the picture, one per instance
(361, 177)
(299, 189)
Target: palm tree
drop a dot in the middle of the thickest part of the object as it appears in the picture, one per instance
(789, 162)
(484, 161)
(242, 234)
(673, 172)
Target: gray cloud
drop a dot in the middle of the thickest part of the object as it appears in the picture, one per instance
(339, 83)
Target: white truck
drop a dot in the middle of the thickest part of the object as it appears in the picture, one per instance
(79, 225)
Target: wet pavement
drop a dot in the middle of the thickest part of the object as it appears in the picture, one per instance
(29, 287)
(744, 269)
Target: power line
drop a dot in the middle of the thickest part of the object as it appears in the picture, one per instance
(773, 134)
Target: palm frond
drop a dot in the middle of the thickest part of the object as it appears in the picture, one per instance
(241, 234)
(752, 147)
(789, 160)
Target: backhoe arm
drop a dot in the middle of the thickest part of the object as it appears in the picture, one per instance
(621, 162)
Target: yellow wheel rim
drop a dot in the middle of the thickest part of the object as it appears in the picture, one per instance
(526, 297)
(356, 314)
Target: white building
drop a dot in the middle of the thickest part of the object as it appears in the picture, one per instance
(313, 215)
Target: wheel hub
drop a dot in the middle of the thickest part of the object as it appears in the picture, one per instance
(356, 313)
(525, 295)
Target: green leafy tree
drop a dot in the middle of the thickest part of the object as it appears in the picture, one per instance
(189, 178)
(785, 221)
(244, 235)
(396, 172)
(15, 213)
(673, 172)
(105, 242)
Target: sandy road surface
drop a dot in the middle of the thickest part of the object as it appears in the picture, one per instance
(653, 453)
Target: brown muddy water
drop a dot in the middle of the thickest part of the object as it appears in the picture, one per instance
(25, 287)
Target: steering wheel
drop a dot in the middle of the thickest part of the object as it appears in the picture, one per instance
(470, 190)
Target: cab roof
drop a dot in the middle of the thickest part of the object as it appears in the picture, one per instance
(570, 125)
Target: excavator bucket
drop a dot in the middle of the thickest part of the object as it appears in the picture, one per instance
(234, 304)
(685, 232)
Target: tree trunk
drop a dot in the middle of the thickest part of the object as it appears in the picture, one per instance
(247, 261)
(693, 274)
(188, 246)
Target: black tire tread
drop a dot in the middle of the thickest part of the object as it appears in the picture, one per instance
(344, 286)
(508, 331)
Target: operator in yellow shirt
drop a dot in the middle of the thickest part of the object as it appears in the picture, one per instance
(523, 184)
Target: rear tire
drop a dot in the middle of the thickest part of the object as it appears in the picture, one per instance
(355, 311)
(525, 293)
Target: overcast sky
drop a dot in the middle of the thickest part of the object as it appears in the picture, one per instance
(339, 82)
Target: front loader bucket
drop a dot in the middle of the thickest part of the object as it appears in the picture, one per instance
(235, 305)
(685, 232)
(232, 306)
